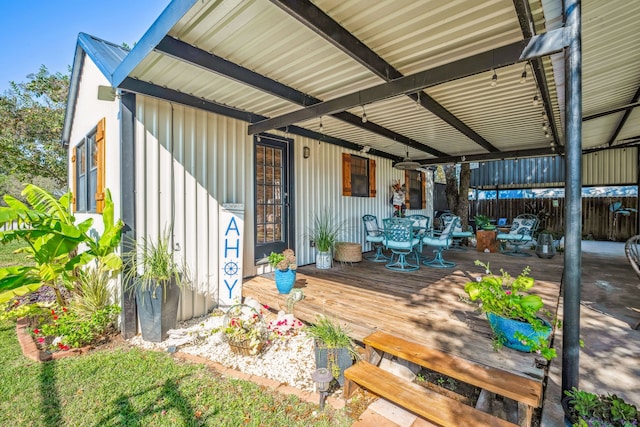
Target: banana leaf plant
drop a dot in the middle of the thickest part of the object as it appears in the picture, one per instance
(56, 243)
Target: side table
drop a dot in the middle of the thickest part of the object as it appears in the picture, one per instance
(486, 239)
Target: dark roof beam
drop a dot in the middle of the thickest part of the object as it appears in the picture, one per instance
(516, 154)
(513, 53)
(207, 61)
(315, 19)
(537, 67)
(627, 107)
(171, 95)
(623, 120)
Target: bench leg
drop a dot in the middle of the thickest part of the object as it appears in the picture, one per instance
(349, 388)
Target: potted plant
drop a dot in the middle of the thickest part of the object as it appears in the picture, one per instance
(324, 235)
(334, 348)
(585, 409)
(484, 222)
(285, 267)
(157, 280)
(512, 311)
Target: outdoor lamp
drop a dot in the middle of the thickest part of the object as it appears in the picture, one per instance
(323, 378)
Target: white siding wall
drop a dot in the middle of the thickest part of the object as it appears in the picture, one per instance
(213, 164)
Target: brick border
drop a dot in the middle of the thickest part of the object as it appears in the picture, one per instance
(31, 350)
(336, 403)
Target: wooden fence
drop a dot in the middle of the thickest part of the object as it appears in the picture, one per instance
(598, 222)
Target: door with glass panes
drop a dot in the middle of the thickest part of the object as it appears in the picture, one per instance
(273, 195)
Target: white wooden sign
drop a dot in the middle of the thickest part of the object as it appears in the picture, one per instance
(230, 230)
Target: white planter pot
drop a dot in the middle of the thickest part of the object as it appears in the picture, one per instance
(323, 260)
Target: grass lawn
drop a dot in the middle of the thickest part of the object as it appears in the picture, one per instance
(133, 387)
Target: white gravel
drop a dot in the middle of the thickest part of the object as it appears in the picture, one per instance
(288, 359)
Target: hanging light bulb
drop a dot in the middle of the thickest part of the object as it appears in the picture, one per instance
(536, 100)
(418, 102)
(364, 115)
(546, 135)
(494, 79)
(544, 125)
(523, 76)
(321, 128)
(544, 116)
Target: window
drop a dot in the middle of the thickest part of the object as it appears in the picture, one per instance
(88, 171)
(358, 176)
(416, 185)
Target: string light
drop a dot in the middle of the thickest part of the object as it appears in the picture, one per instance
(364, 115)
(523, 76)
(544, 125)
(546, 134)
(321, 128)
(418, 102)
(536, 100)
(544, 116)
(494, 79)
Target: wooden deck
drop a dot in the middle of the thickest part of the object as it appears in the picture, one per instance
(421, 306)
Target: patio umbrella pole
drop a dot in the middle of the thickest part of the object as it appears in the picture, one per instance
(573, 191)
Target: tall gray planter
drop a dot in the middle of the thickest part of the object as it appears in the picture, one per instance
(158, 311)
(341, 355)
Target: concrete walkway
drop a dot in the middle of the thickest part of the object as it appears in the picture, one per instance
(610, 360)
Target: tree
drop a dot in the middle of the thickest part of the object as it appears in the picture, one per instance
(31, 120)
(457, 192)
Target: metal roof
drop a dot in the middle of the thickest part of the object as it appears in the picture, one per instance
(316, 68)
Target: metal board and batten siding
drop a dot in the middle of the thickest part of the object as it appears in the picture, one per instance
(610, 167)
(529, 172)
(189, 163)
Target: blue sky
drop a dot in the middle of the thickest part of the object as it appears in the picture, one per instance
(44, 32)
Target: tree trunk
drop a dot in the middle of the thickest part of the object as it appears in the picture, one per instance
(458, 192)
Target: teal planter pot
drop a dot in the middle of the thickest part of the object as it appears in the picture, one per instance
(285, 280)
(506, 329)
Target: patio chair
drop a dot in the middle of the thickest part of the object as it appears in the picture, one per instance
(400, 239)
(521, 233)
(632, 250)
(458, 234)
(375, 236)
(420, 227)
(441, 240)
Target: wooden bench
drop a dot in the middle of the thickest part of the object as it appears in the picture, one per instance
(431, 405)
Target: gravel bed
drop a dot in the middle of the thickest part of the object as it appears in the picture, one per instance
(287, 359)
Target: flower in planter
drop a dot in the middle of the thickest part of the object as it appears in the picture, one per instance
(510, 298)
(285, 325)
(283, 261)
(244, 328)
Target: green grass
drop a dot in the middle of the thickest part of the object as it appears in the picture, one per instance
(134, 387)
(8, 258)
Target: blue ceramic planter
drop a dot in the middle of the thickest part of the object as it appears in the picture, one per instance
(506, 329)
(285, 280)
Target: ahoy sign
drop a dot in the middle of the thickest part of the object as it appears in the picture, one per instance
(231, 226)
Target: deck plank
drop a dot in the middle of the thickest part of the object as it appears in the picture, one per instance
(423, 306)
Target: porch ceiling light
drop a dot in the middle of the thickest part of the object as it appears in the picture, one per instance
(523, 76)
(407, 163)
(494, 79)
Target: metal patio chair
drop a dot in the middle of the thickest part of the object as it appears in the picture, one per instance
(375, 236)
(421, 224)
(400, 239)
(521, 233)
(458, 234)
(441, 240)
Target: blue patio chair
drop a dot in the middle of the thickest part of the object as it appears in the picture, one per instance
(400, 239)
(458, 234)
(420, 227)
(375, 236)
(441, 240)
(521, 233)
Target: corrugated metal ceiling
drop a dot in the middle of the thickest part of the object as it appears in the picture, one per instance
(411, 36)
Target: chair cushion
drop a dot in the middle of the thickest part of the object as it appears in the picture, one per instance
(436, 241)
(372, 229)
(522, 226)
(375, 239)
(447, 229)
